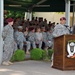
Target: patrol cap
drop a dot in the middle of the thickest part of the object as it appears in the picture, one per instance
(20, 27)
(62, 18)
(9, 20)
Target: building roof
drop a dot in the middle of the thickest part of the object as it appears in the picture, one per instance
(36, 5)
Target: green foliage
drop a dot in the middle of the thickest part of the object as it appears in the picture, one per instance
(36, 54)
(15, 14)
(19, 55)
(44, 54)
(50, 52)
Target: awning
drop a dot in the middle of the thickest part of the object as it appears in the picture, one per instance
(36, 5)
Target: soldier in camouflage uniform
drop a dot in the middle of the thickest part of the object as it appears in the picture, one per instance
(50, 38)
(61, 28)
(21, 40)
(45, 40)
(8, 46)
(32, 37)
(38, 37)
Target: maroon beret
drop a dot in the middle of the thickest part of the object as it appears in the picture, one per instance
(31, 28)
(10, 20)
(62, 18)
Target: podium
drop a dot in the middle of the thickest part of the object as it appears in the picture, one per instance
(60, 60)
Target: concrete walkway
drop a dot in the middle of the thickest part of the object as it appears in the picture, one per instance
(31, 67)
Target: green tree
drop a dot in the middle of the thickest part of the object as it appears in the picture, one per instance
(15, 14)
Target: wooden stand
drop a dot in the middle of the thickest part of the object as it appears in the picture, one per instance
(61, 61)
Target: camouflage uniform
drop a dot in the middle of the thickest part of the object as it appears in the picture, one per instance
(16, 35)
(21, 39)
(45, 40)
(38, 39)
(60, 30)
(50, 39)
(32, 39)
(8, 46)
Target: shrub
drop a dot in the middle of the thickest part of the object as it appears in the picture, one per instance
(50, 52)
(36, 54)
(44, 54)
(19, 55)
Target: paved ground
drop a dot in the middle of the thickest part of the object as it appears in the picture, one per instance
(31, 67)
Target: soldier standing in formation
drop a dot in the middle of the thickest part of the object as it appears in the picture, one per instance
(8, 46)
